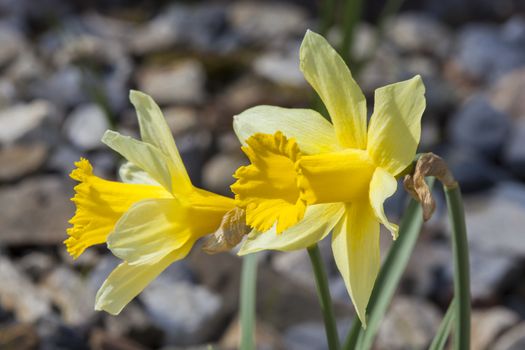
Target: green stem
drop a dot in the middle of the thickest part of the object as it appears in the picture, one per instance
(247, 301)
(352, 14)
(444, 328)
(461, 267)
(324, 297)
(327, 19)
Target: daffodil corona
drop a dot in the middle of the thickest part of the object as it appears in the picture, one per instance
(308, 176)
(149, 222)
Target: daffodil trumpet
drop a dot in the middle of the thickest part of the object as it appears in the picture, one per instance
(151, 220)
(308, 177)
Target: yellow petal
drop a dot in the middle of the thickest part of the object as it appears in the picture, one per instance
(127, 281)
(317, 223)
(313, 133)
(155, 131)
(151, 229)
(267, 188)
(342, 176)
(382, 186)
(328, 74)
(395, 125)
(355, 244)
(100, 203)
(149, 158)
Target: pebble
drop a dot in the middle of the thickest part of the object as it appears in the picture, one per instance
(514, 151)
(85, 126)
(477, 125)
(12, 43)
(280, 68)
(508, 93)
(64, 87)
(311, 335)
(19, 295)
(185, 312)
(182, 83)
(411, 323)
(20, 160)
(514, 339)
(46, 198)
(488, 324)
(18, 336)
(25, 121)
(217, 173)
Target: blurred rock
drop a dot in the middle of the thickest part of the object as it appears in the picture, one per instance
(70, 294)
(418, 32)
(311, 335)
(187, 313)
(181, 119)
(296, 266)
(194, 26)
(486, 53)
(514, 152)
(54, 335)
(27, 122)
(514, 339)
(364, 42)
(36, 264)
(35, 212)
(19, 295)
(217, 173)
(182, 83)
(500, 211)
(410, 323)
(20, 160)
(266, 22)
(488, 324)
(100, 340)
(64, 87)
(18, 337)
(12, 43)
(281, 68)
(86, 125)
(98, 275)
(508, 94)
(266, 338)
(479, 126)
(63, 159)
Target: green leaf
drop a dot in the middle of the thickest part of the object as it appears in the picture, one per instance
(247, 301)
(444, 328)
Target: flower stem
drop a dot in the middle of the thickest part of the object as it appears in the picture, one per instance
(324, 297)
(461, 267)
(247, 301)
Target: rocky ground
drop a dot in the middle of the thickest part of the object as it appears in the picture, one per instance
(65, 76)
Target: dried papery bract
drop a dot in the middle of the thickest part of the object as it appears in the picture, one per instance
(229, 234)
(428, 164)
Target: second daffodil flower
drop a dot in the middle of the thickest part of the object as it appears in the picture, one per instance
(308, 176)
(149, 222)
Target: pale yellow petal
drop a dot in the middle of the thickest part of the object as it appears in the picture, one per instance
(127, 281)
(132, 174)
(328, 74)
(313, 133)
(382, 186)
(355, 244)
(150, 230)
(99, 205)
(395, 125)
(155, 131)
(149, 158)
(317, 223)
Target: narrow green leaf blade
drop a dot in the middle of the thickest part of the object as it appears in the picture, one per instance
(444, 328)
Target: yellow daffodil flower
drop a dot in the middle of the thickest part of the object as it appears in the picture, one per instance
(149, 222)
(308, 176)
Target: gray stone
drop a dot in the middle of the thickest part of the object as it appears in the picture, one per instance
(486, 53)
(181, 120)
(185, 312)
(182, 83)
(19, 295)
(514, 339)
(418, 32)
(493, 220)
(479, 126)
(64, 87)
(70, 294)
(410, 323)
(25, 121)
(217, 173)
(364, 42)
(296, 266)
(11, 42)
(20, 160)
(514, 152)
(35, 212)
(36, 264)
(280, 68)
(508, 93)
(85, 126)
(98, 275)
(311, 335)
(63, 159)
(267, 21)
(55, 335)
(488, 324)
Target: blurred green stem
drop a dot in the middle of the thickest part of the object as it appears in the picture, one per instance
(324, 297)
(327, 19)
(444, 328)
(247, 301)
(352, 14)
(461, 267)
